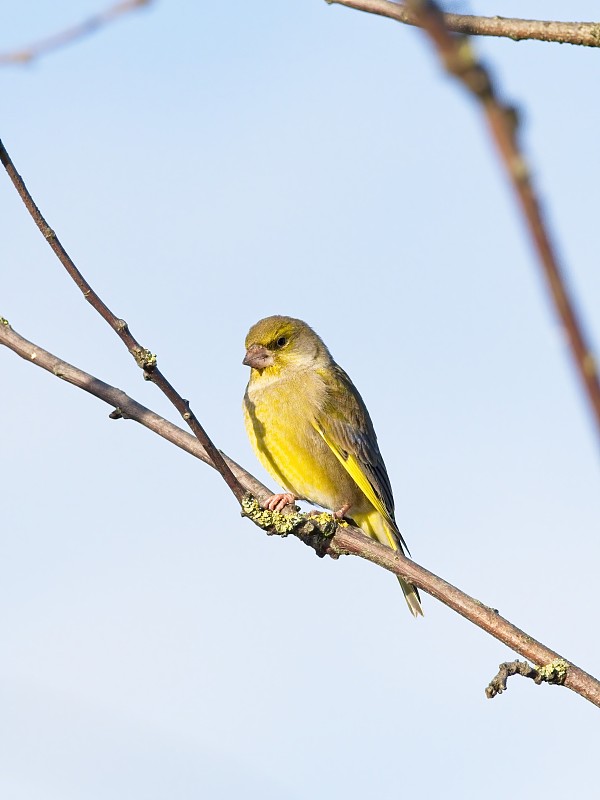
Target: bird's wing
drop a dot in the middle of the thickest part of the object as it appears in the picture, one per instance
(346, 427)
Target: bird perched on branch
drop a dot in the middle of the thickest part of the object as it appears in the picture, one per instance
(311, 430)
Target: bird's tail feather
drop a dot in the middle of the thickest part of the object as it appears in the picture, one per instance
(376, 527)
(411, 594)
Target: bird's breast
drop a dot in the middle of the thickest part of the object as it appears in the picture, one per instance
(280, 418)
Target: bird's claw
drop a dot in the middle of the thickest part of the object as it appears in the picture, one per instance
(342, 511)
(277, 502)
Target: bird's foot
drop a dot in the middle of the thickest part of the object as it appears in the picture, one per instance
(277, 502)
(342, 511)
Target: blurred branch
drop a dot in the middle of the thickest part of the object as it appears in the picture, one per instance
(459, 60)
(89, 26)
(322, 533)
(582, 33)
(143, 357)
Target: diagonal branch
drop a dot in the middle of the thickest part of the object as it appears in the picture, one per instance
(460, 61)
(327, 538)
(26, 55)
(581, 33)
(144, 358)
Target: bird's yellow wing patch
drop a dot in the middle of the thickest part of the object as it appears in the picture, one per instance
(354, 469)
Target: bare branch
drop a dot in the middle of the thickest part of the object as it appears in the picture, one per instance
(144, 358)
(322, 533)
(26, 55)
(460, 60)
(582, 33)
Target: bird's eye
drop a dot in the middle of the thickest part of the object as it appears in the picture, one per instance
(281, 342)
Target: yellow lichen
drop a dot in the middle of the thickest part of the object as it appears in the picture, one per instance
(554, 672)
(270, 520)
(283, 524)
(144, 358)
(325, 522)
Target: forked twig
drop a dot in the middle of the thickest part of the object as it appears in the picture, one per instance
(124, 406)
(144, 358)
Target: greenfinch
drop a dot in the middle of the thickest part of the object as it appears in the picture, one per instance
(311, 430)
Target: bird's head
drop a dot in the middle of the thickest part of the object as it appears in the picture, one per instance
(279, 343)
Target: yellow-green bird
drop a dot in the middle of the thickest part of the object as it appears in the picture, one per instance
(311, 430)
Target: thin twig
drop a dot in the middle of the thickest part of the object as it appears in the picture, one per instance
(340, 540)
(555, 672)
(460, 60)
(25, 55)
(581, 33)
(144, 358)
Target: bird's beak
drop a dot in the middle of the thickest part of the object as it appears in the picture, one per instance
(258, 357)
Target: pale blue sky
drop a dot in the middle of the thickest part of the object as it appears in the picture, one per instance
(207, 165)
